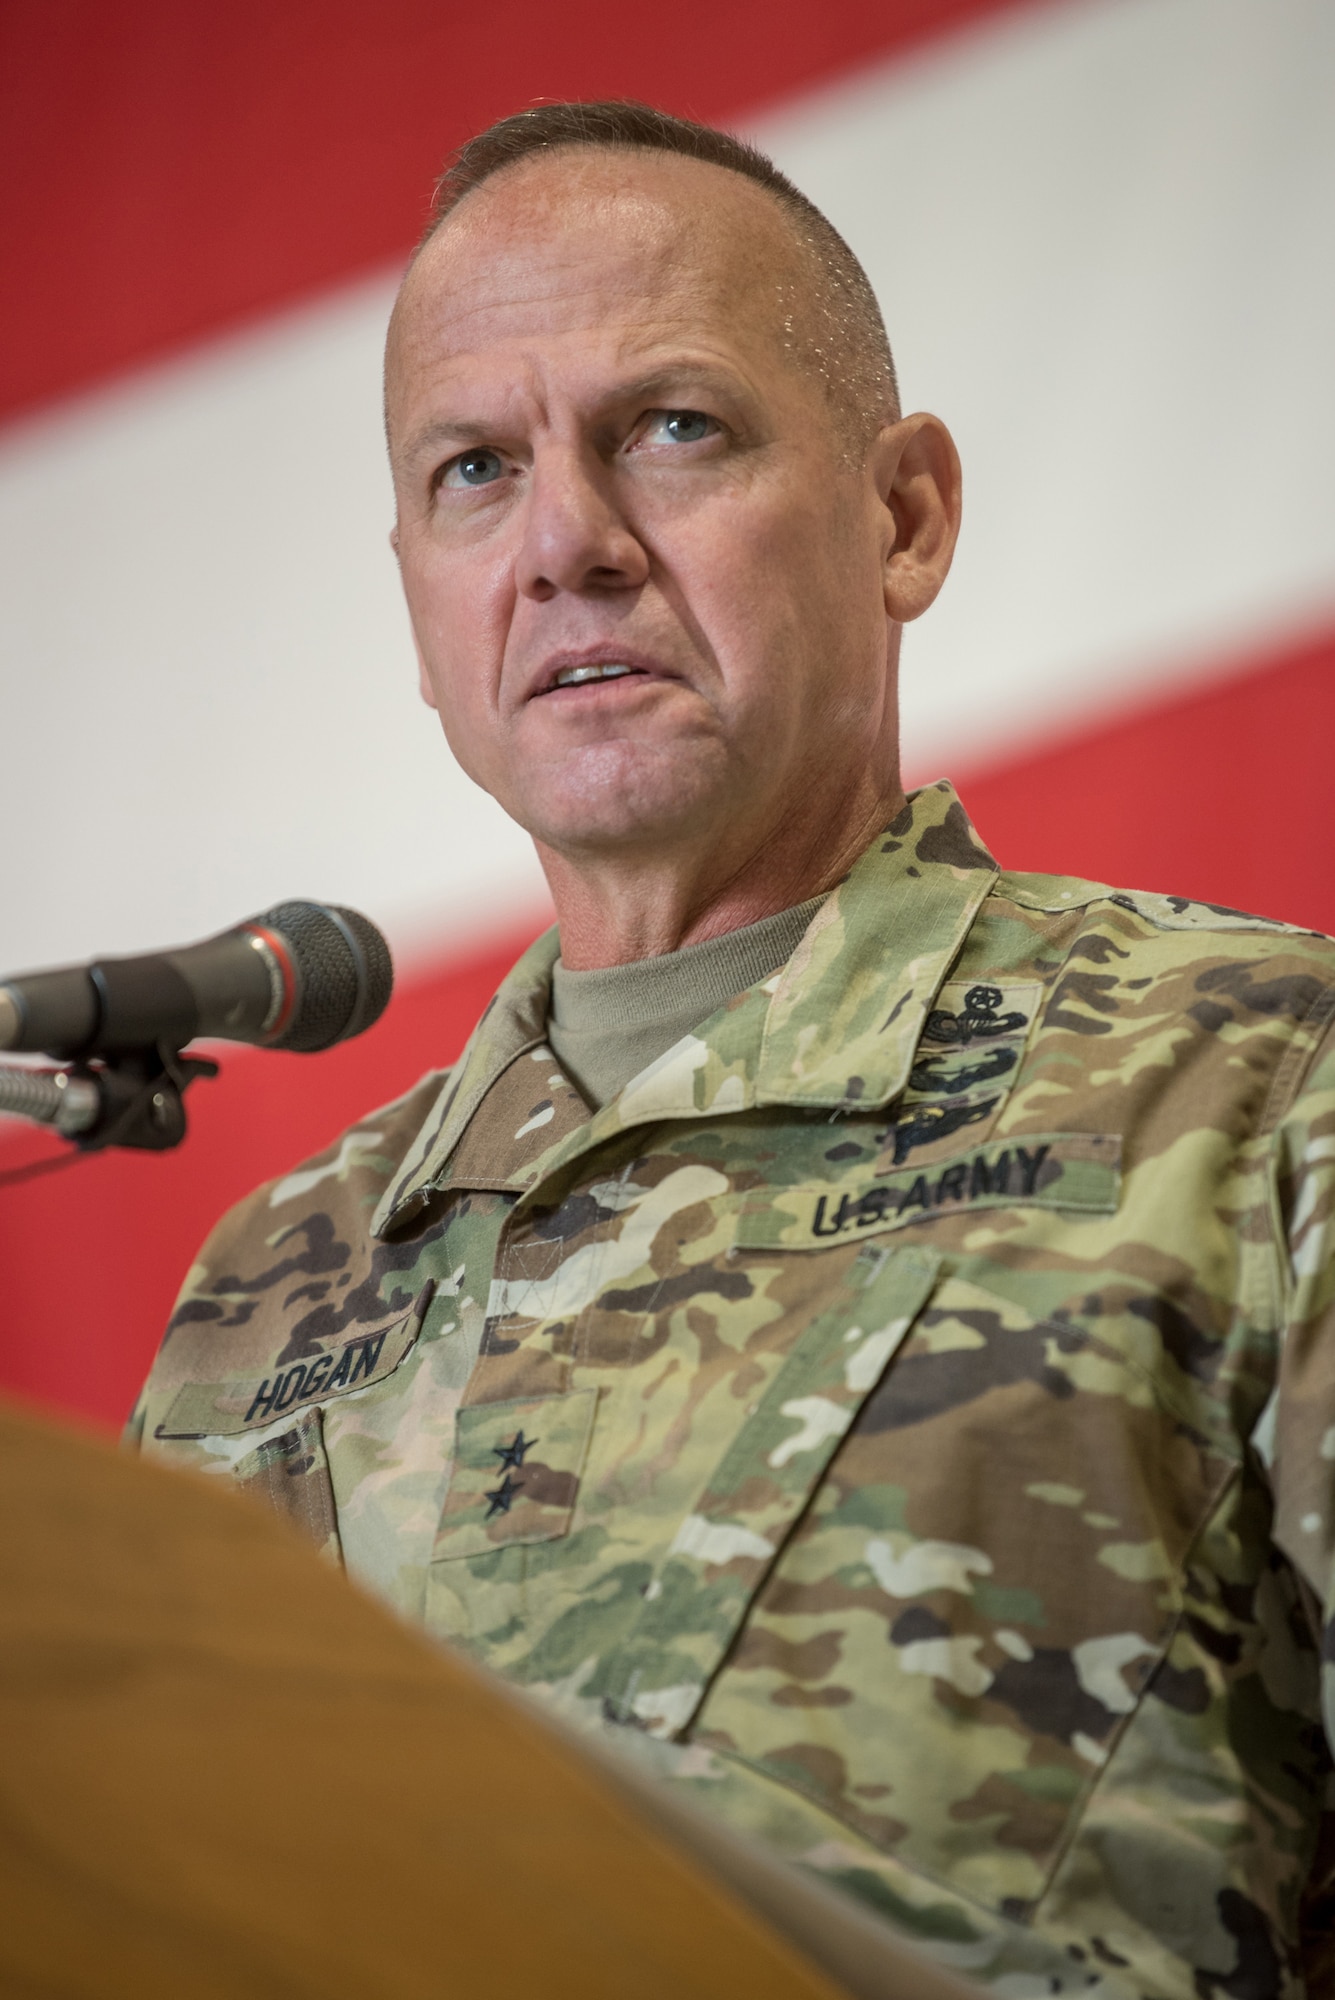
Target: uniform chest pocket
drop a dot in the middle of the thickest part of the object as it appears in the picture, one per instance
(977, 1600)
(760, 1488)
(263, 1425)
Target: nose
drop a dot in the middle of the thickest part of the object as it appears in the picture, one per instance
(575, 536)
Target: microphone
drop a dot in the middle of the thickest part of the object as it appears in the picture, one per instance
(301, 976)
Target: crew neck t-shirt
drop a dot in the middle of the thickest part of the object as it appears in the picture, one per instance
(605, 1026)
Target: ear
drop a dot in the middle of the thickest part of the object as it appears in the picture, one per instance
(916, 469)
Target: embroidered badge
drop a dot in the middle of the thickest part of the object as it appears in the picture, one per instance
(980, 1018)
(963, 1068)
(1074, 1170)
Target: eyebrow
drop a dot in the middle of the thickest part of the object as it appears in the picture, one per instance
(458, 433)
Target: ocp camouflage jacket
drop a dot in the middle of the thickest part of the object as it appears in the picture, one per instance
(905, 1416)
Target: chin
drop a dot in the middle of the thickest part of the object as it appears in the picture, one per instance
(623, 798)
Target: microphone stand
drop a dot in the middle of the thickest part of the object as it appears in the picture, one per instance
(129, 1099)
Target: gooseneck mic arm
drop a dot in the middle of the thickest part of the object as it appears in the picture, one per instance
(61, 1098)
(301, 976)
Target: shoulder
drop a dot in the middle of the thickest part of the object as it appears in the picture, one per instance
(308, 1221)
(289, 1274)
(1173, 928)
(1162, 993)
(1134, 966)
(1058, 894)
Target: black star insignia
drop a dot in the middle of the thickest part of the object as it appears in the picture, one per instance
(512, 1455)
(501, 1498)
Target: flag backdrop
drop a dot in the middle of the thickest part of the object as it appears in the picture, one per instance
(1101, 231)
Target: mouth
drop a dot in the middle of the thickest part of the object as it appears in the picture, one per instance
(575, 671)
(609, 670)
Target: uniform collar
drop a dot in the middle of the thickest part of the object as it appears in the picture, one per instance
(835, 1029)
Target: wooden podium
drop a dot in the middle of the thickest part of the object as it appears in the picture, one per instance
(225, 1774)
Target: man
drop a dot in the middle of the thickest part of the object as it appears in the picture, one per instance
(855, 1326)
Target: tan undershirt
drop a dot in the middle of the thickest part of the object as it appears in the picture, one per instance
(606, 1026)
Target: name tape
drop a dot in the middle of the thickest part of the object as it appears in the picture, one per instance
(222, 1409)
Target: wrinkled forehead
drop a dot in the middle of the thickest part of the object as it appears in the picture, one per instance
(652, 248)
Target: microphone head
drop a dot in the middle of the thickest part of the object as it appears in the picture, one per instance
(344, 974)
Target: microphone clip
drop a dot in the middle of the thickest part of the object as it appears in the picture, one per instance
(142, 1099)
(134, 1098)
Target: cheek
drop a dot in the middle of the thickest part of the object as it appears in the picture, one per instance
(764, 579)
(459, 613)
(789, 597)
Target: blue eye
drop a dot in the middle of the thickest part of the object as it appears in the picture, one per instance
(686, 426)
(474, 468)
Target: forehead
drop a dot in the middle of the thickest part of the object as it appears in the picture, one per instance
(612, 249)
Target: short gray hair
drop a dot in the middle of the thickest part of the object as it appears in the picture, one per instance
(846, 345)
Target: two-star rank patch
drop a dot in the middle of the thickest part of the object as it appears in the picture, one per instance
(1068, 1170)
(516, 1474)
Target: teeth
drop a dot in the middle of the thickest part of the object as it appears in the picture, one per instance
(576, 676)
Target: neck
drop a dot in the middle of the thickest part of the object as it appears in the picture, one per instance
(615, 907)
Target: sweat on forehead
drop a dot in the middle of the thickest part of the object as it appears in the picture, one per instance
(702, 231)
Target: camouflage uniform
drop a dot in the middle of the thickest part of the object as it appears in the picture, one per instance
(905, 1416)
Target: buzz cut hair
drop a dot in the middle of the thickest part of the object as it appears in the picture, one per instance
(836, 330)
